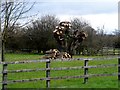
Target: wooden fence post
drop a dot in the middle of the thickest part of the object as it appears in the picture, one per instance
(85, 71)
(48, 73)
(4, 66)
(118, 68)
(4, 77)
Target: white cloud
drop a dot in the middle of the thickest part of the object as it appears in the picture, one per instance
(74, 8)
(110, 21)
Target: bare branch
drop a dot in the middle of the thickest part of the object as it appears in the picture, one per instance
(11, 12)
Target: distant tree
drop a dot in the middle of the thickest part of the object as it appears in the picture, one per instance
(90, 43)
(12, 42)
(117, 39)
(40, 32)
(79, 24)
(82, 25)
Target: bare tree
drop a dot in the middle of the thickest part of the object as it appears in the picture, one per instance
(40, 33)
(116, 43)
(101, 36)
(81, 25)
(78, 24)
(11, 12)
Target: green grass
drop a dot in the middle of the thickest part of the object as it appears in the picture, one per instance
(93, 82)
(19, 57)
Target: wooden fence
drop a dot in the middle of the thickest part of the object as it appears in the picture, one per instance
(85, 75)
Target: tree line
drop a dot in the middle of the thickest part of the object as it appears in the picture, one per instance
(38, 36)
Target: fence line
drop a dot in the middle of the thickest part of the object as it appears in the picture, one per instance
(48, 69)
(63, 68)
(58, 78)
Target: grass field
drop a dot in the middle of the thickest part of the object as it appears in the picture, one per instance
(94, 82)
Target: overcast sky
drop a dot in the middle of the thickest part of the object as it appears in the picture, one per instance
(96, 12)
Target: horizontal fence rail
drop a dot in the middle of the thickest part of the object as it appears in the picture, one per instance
(45, 60)
(59, 78)
(48, 69)
(63, 68)
(26, 61)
